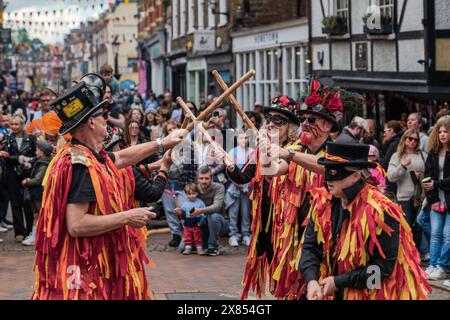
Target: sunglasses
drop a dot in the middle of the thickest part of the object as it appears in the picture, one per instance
(276, 119)
(412, 139)
(311, 119)
(104, 114)
(45, 100)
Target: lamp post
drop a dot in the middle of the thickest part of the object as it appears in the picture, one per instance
(115, 48)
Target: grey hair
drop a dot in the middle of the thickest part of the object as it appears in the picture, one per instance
(292, 132)
(204, 170)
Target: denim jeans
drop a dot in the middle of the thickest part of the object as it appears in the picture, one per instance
(242, 203)
(172, 219)
(423, 219)
(217, 226)
(440, 239)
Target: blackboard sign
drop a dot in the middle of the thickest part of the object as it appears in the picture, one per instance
(361, 56)
(5, 36)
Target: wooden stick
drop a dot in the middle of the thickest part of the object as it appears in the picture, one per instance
(185, 122)
(234, 103)
(203, 115)
(203, 130)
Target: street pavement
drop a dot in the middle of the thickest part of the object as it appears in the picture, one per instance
(174, 276)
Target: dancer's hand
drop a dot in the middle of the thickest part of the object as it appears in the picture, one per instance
(314, 291)
(166, 161)
(139, 217)
(174, 138)
(329, 287)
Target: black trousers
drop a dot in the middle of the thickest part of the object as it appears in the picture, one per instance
(20, 208)
(411, 217)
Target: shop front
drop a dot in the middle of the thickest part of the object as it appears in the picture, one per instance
(279, 55)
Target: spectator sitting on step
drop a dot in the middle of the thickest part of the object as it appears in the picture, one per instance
(192, 233)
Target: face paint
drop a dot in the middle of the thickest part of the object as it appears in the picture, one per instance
(306, 138)
(336, 173)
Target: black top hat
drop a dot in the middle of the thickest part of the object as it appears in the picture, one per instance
(324, 103)
(347, 155)
(80, 101)
(286, 106)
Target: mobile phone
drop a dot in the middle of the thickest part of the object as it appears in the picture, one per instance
(426, 180)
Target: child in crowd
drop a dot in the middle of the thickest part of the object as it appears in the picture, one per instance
(378, 174)
(189, 202)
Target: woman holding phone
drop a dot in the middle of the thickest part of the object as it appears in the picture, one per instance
(406, 169)
(437, 168)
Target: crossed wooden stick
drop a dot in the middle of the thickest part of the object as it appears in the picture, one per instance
(227, 94)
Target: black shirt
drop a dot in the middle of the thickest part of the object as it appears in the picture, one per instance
(82, 190)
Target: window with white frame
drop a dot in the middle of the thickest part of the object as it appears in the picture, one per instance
(191, 16)
(386, 7)
(211, 17)
(183, 17)
(341, 9)
(295, 70)
(175, 17)
(223, 9)
(201, 14)
(264, 86)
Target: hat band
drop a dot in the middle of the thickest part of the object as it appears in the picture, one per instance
(335, 158)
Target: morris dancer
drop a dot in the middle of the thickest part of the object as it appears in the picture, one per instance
(319, 116)
(86, 247)
(281, 126)
(358, 245)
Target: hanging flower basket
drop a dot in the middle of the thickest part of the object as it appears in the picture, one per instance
(334, 25)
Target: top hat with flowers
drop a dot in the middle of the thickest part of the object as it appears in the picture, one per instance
(80, 101)
(286, 106)
(323, 102)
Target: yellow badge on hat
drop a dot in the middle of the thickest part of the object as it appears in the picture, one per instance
(72, 108)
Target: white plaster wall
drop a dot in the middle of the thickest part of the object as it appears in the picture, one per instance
(341, 56)
(442, 14)
(359, 8)
(384, 56)
(326, 60)
(317, 16)
(412, 20)
(410, 51)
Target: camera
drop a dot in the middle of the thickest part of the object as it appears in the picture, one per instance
(216, 114)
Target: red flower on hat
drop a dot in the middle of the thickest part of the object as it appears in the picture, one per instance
(315, 86)
(335, 104)
(312, 100)
(285, 101)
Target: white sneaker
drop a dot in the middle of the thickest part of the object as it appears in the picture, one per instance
(6, 226)
(429, 270)
(447, 283)
(246, 241)
(233, 242)
(1, 240)
(29, 241)
(438, 274)
(3, 230)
